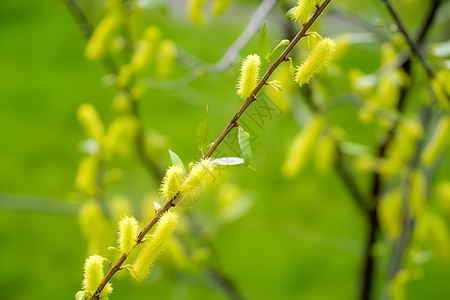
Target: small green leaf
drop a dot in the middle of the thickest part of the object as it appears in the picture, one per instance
(244, 144)
(228, 161)
(80, 295)
(264, 43)
(203, 132)
(176, 160)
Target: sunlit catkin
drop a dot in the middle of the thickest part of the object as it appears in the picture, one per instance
(90, 121)
(316, 62)
(172, 182)
(128, 232)
(302, 146)
(93, 276)
(438, 141)
(102, 35)
(199, 176)
(303, 10)
(249, 75)
(156, 244)
(146, 48)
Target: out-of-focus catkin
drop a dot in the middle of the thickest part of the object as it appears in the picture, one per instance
(438, 141)
(156, 244)
(316, 62)
(249, 75)
(97, 46)
(302, 146)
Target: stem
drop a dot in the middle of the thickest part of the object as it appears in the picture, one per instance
(368, 270)
(116, 267)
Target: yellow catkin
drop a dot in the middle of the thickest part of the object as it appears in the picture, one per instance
(249, 75)
(417, 195)
(390, 213)
(120, 135)
(124, 76)
(172, 182)
(90, 121)
(302, 146)
(432, 231)
(316, 62)
(443, 197)
(220, 6)
(128, 232)
(199, 176)
(156, 244)
(167, 54)
(93, 225)
(326, 153)
(86, 179)
(303, 10)
(146, 48)
(195, 10)
(438, 141)
(93, 275)
(102, 35)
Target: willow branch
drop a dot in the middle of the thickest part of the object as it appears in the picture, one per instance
(117, 266)
(415, 48)
(266, 76)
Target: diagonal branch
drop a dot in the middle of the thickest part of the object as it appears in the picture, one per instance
(117, 266)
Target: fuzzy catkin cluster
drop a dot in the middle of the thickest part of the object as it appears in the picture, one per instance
(303, 10)
(153, 248)
(199, 176)
(249, 75)
(316, 62)
(93, 276)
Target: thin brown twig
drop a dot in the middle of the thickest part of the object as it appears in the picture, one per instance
(117, 266)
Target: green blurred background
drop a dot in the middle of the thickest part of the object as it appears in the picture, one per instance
(301, 239)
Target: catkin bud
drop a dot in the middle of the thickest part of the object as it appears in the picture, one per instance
(93, 276)
(438, 141)
(220, 6)
(153, 248)
(90, 121)
(316, 62)
(326, 153)
(93, 225)
(302, 147)
(128, 232)
(390, 213)
(418, 192)
(200, 175)
(195, 10)
(86, 179)
(172, 182)
(102, 35)
(303, 10)
(249, 75)
(146, 48)
(167, 54)
(433, 232)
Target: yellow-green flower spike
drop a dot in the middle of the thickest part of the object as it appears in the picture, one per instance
(302, 147)
(93, 276)
(128, 232)
(438, 141)
(249, 75)
(156, 244)
(103, 34)
(172, 182)
(90, 121)
(303, 10)
(316, 62)
(199, 176)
